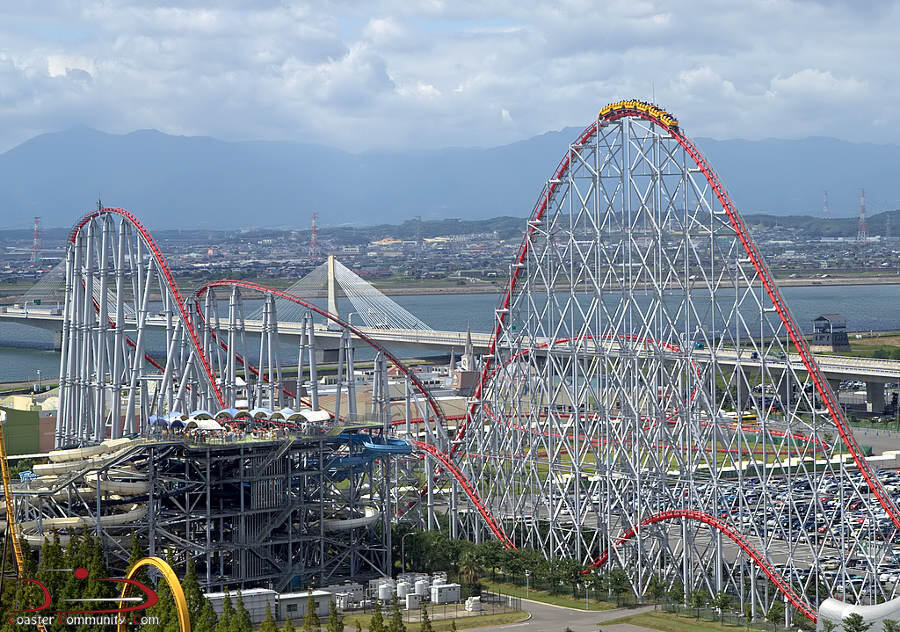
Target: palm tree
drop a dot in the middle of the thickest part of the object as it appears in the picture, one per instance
(469, 570)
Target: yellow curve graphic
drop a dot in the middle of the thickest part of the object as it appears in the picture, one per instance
(184, 619)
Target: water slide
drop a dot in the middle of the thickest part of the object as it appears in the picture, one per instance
(371, 516)
(79, 454)
(35, 531)
(132, 487)
(80, 460)
(381, 445)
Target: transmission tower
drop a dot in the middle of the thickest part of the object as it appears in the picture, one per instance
(36, 243)
(862, 230)
(420, 244)
(314, 251)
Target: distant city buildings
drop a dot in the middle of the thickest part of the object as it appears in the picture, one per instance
(452, 258)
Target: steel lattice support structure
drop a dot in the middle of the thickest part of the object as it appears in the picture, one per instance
(639, 330)
(294, 498)
(113, 269)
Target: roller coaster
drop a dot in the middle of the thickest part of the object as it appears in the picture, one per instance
(603, 426)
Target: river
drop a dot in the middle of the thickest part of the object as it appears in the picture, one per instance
(26, 350)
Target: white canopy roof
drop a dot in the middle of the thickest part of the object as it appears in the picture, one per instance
(315, 415)
(203, 424)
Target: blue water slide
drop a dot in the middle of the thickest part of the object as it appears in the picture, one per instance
(382, 445)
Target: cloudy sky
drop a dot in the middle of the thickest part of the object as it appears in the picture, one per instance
(433, 73)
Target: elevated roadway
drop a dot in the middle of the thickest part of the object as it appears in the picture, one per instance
(835, 367)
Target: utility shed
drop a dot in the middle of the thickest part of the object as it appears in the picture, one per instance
(830, 333)
(445, 593)
(255, 600)
(293, 605)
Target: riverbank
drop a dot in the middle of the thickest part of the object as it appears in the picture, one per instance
(9, 296)
(495, 287)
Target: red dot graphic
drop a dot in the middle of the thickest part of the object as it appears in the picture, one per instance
(81, 573)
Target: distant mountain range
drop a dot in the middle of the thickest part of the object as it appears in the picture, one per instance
(192, 182)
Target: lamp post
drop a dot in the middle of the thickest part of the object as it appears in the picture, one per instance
(527, 576)
(39, 380)
(403, 551)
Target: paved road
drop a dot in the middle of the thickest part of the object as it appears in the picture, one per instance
(550, 618)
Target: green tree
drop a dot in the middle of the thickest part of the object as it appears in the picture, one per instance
(335, 621)
(136, 551)
(224, 622)
(196, 601)
(573, 572)
(552, 572)
(311, 620)
(855, 623)
(164, 609)
(426, 620)
(887, 625)
(491, 554)
(358, 627)
(207, 620)
(288, 626)
(656, 589)
(699, 598)
(268, 624)
(469, 570)
(53, 558)
(396, 622)
(617, 582)
(776, 613)
(721, 600)
(376, 623)
(241, 621)
(85, 552)
(453, 625)
(19, 595)
(676, 593)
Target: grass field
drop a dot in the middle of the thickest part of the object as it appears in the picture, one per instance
(544, 596)
(462, 623)
(669, 622)
(884, 344)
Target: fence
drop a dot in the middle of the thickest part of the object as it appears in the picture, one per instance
(733, 618)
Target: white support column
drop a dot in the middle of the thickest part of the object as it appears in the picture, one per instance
(313, 368)
(332, 294)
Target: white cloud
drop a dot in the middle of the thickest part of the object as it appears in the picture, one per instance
(60, 65)
(435, 73)
(822, 84)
